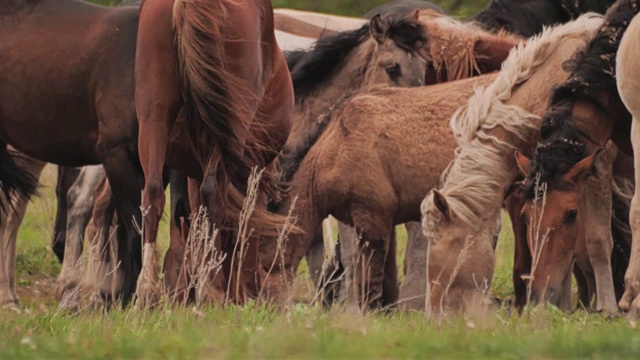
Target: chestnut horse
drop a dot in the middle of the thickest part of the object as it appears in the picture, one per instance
(357, 169)
(585, 112)
(225, 85)
(89, 108)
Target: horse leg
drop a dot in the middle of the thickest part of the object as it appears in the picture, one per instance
(102, 273)
(513, 204)
(414, 287)
(179, 212)
(347, 258)
(66, 177)
(125, 178)
(631, 298)
(315, 257)
(157, 101)
(597, 229)
(9, 227)
(16, 207)
(80, 202)
(390, 282)
(373, 248)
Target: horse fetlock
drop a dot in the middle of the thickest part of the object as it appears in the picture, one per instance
(148, 288)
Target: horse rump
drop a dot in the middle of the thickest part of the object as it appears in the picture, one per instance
(14, 180)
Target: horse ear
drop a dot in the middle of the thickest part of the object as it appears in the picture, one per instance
(524, 164)
(441, 204)
(581, 169)
(378, 29)
(416, 14)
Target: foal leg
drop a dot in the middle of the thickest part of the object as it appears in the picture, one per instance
(66, 177)
(374, 246)
(157, 100)
(631, 298)
(598, 240)
(9, 227)
(80, 201)
(180, 211)
(414, 287)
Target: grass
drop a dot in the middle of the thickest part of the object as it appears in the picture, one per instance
(298, 331)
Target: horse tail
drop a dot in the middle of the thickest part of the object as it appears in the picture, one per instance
(14, 180)
(219, 111)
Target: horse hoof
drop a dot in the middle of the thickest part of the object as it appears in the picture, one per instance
(148, 294)
(70, 300)
(11, 305)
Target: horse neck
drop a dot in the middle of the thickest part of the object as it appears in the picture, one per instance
(598, 123)
(348, 80)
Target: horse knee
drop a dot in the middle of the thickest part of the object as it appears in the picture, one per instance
(154, 195)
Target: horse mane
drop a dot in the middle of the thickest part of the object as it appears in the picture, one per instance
(312, 68)
(592, 71)
(452, 45)
(532, 15)
(478, 171)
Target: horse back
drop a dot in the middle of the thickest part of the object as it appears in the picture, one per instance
(61, 61)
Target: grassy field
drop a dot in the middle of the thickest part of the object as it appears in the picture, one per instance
(298, 331)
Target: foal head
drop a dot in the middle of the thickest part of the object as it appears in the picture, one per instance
(555, 220)
(383, 51)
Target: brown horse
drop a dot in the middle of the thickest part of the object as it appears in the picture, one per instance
(448, 43)
(629, 90)
(230, 85)
(459, 215)
(372, 159)
(85, 101)
(585, 112)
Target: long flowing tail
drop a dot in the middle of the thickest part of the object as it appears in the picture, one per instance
(14, 181)
(219, 108)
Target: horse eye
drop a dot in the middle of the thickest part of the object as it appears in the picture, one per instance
(394, 71)
(570, 217)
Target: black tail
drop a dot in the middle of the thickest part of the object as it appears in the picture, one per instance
(14, 181)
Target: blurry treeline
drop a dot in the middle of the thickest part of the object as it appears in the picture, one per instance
(461, 8)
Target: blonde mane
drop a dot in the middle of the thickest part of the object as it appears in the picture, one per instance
(476, 177)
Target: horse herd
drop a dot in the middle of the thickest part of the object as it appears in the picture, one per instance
(527, 106)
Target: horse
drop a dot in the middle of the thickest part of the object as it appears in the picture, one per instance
(94, 121)
(606, 205)
(527, 17)
(627, 84)
(231, 114)
(585, 112)
(451, 46)
(371, 160)
(459, 214)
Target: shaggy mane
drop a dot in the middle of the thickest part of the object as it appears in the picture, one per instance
(311, 68)
(478, 171)
(562, 143)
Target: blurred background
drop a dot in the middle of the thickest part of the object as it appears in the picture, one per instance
(357, 8)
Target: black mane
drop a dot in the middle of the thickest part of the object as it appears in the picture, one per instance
(562, 143)
(310, 68)
(527, 17)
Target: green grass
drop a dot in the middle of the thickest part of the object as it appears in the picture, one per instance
(297, 331)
